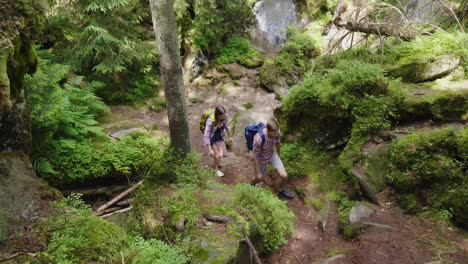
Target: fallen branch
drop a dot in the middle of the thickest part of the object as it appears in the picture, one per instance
(385, 29)
(125, 202)
(18, 254)
(118, 211)
(252, 250)
(217, 218)
(118, 197)
(107, 190)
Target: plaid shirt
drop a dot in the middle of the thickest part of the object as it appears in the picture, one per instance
(209, 130)
(264, 154)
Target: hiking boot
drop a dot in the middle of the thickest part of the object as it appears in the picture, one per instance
(219, 173)
(287, 194)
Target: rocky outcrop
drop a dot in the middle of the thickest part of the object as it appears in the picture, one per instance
(272, 17)
(21, 191)
(429, 70)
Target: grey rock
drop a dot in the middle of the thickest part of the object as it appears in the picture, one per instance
(440, 67)
(366, 187)
(237, 71)
(359, 212)
(323, 215)
(375, 227)
(122, 133)
(434, 262)
(272, 17)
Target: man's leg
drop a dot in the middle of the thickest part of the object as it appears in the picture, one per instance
(278, 165)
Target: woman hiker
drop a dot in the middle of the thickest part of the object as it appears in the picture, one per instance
(214, 137)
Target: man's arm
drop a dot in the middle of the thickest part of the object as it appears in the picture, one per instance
(278, 149)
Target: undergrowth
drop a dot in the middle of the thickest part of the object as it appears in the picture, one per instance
(80, 237)
(238, 50)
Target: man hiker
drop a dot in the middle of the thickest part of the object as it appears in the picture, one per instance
(264, 154)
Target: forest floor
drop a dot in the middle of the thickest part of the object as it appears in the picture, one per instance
(411, 240)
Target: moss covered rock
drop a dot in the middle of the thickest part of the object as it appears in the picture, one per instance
(428, 70)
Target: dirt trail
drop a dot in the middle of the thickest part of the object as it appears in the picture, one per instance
(410, 240)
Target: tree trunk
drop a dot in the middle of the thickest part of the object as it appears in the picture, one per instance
(165, 30)
(382, 29)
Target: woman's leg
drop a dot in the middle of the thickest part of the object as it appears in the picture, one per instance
(221, 148)
(215, 157)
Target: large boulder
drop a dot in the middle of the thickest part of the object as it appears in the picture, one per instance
(272, 17)
(428, 70)
(22, 192)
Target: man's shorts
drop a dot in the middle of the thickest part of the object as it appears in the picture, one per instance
(275, 162)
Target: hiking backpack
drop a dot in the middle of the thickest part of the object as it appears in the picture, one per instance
(250, 132)
(210, 113)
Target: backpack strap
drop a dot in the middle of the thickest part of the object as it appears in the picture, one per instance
(262, 135)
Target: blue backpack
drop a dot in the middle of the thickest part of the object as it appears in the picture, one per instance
(250, 132)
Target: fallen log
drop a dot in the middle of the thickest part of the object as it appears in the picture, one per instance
(118, 211)
(16, 255)
(107, 190)
(125, 202)
(252, 250)
(383, 29)
(108, 210)
(217, 218)
(118, 197)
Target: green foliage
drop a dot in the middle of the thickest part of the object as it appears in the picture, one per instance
(176, 166)
(116, 52)
(159, 104)
(21, 17)
(429, 168)
(216, 20)
(292, 61)
(321, 10)
(426, 48)
(238, 50)
(79, 162)
(81, 238)
(344, 206)
(153, 251)
(271, 215)
(291, 156)
(183, 204)
(247, 106)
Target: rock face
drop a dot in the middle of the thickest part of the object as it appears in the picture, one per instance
(193, 65)
(18, 183)
(428, 70)
(272, 17)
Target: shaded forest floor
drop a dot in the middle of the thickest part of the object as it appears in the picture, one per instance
(411, 239)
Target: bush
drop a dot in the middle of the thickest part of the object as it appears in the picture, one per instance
(429, 168)
(238, 50)
(153, 251)
(75, 162)
(292, 61)
(216, 21)
(81, 238)
(176, 166)
(271, 215)
(347, 102)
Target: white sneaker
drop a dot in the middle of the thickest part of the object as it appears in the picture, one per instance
(219, 173)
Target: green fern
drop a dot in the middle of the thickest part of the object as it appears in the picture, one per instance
(42, 166)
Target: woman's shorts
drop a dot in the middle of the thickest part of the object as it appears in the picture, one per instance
(216, 138)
